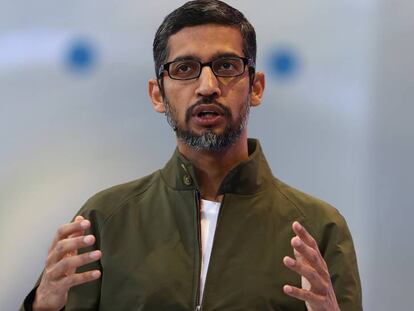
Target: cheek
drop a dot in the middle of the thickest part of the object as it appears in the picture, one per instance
(181, 95)
(238, 98)
(179, 103)
(236, 90)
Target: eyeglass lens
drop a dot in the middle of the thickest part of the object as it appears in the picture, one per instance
(222, 67)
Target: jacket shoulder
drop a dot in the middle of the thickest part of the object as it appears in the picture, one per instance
(108, 201)
(315, 213)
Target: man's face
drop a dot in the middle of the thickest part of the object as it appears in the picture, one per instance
(207, 113)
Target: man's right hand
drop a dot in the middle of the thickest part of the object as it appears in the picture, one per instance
(62, 261)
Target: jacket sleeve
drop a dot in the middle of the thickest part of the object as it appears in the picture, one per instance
(337, 248)
(28, 301)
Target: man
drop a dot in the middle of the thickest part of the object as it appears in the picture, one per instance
(213, 229)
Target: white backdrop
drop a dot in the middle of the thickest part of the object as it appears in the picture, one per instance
(336, 120)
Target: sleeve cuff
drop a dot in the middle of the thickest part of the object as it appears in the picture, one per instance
(28, 301)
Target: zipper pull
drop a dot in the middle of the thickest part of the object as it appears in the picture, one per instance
(198, 308)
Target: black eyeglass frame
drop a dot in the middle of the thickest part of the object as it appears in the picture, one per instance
(246, 61)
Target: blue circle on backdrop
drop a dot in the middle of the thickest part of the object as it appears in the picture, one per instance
(81, 55)
(284, 63)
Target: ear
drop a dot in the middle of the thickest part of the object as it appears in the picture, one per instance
(258, 87)
(154, 93)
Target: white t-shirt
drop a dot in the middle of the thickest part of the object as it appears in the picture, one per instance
(209, 213)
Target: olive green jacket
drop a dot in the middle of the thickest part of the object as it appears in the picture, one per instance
(149, 234)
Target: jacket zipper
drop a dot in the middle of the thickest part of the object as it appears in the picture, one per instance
(198, 306)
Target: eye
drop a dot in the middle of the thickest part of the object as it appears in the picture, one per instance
(228, 67)
(184, 69)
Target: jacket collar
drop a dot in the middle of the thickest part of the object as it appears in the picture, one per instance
(248, 177)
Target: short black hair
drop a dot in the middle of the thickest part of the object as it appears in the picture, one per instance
(201, 12)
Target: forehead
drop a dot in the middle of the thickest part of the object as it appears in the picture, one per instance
(205, 41)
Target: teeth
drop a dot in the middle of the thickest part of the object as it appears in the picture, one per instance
(207, 113)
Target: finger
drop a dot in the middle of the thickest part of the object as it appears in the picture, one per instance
(305, 250)
(76, 234)
(304, 235)
(69, 246)
(81, 278)
(312, 256)
(78, 218)
(302, 294)
(66, 230)
(317, 282)
(72, 263)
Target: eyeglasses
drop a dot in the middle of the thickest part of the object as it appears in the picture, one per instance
(221, 67)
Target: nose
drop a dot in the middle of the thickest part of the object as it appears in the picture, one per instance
(208, 84)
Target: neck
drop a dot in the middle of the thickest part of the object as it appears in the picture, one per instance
(212, 167)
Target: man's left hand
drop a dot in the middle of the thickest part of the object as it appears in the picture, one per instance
(317, 290)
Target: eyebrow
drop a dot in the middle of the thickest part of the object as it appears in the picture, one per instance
(214, 57)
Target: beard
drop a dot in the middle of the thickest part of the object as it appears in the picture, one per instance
(208, 140)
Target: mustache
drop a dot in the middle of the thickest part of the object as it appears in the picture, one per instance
(208, 100)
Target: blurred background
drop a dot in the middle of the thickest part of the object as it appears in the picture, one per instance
(336, 121)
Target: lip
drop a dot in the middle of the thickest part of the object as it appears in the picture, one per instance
(208, 120)
(207, 107)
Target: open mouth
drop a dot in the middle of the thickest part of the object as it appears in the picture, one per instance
(207, 114)
(207, 110)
